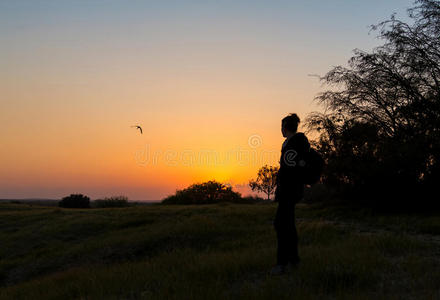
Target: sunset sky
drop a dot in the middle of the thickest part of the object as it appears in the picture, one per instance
(208, 81)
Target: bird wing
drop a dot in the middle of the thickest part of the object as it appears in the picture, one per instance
(140, 128)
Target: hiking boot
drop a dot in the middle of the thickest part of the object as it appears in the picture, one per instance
(293, 265)
(278, 270)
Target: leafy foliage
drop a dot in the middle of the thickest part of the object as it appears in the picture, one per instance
(266, 180)
(380, 132)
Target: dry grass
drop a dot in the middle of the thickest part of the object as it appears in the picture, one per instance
(212, 252)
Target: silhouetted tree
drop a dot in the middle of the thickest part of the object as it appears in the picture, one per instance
(266, 180)
(381, 126)
(204, 193)
(75, 201)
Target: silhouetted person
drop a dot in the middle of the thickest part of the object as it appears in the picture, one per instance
(289, 191)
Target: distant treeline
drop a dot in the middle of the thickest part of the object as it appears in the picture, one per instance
(81, 201)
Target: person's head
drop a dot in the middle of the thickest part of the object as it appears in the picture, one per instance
(289, 125)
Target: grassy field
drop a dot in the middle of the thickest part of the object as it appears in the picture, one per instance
(213, 252)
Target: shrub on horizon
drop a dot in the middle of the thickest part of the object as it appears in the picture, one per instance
(204, 193)
(114, 201)
(75, 201)
(252, 200)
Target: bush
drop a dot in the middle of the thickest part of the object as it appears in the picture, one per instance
(204, 193)
(75, 201)
(115, 201)
(321, 193)
(252, 200)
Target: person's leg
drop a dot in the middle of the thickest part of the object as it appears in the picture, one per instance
(282, 247)
(293, 240)
(282, 236)
(293, 256)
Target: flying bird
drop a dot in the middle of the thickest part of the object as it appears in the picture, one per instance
(138, 127)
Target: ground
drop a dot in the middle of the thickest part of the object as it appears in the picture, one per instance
(222, 251)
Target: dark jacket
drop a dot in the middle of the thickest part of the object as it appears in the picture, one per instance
(289, 182)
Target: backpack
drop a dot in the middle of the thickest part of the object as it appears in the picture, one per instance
(312, 166)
